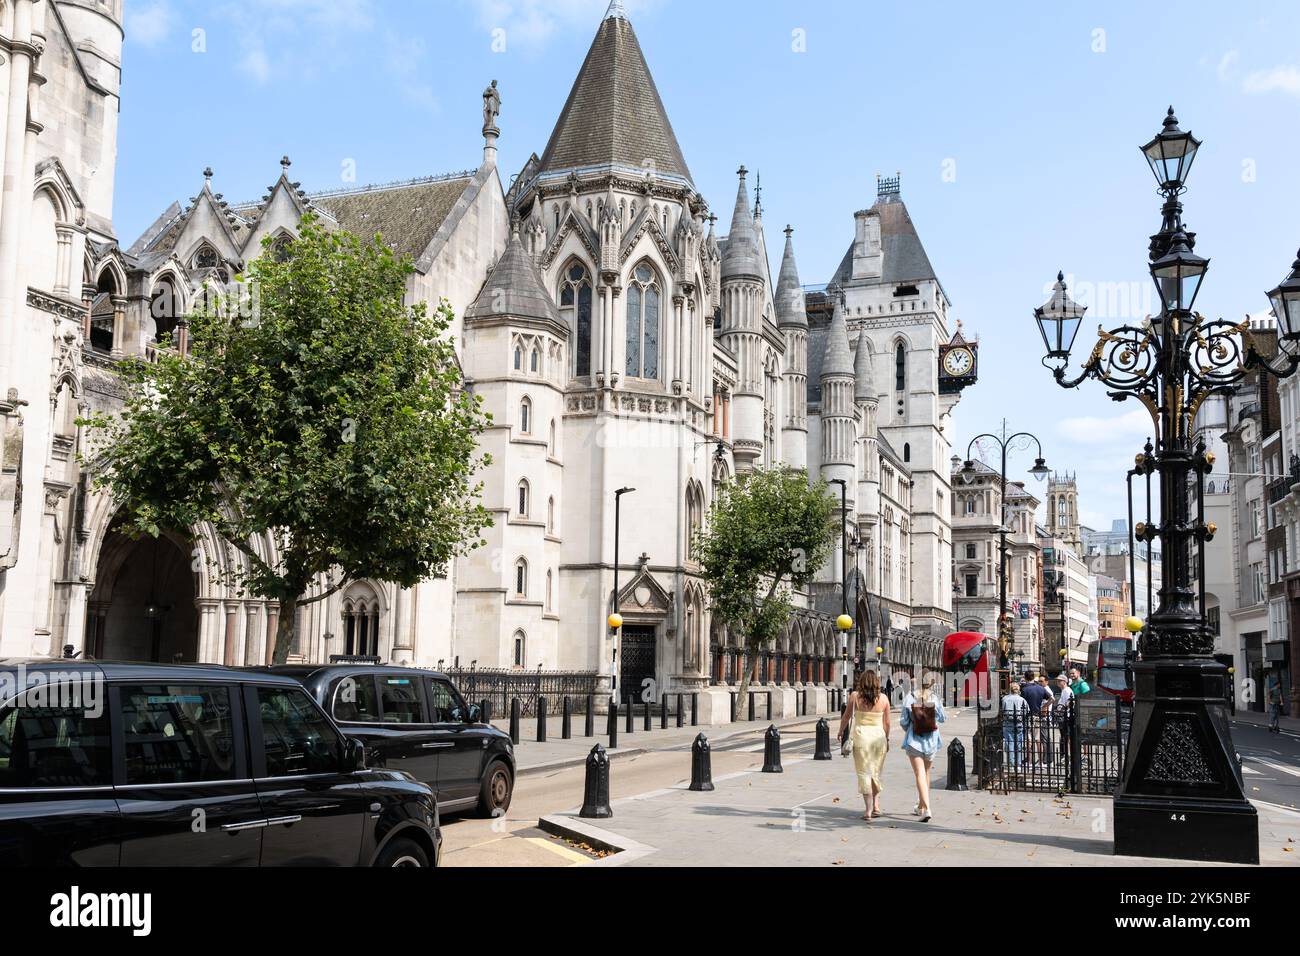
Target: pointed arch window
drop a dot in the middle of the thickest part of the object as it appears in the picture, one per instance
(534, 360)
(519, 358)
(548, 590)
(643, 297)
(523, 498)
(900, 367)
(521, 578)
(526, 416)
(575, 309)
(550, 515)
(519, 650)
(206, 257)
(550, 441)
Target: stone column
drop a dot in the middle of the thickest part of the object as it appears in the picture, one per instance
(88, 293)
(272, 629)
(676, 378)
(63, 260)
(232, 634)
(119, 324)
(251, 634)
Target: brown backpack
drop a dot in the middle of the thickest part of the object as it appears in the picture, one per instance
(923, 719)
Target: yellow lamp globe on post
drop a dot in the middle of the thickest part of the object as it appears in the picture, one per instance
(615, 621)
(1133, 624)
(844, 622)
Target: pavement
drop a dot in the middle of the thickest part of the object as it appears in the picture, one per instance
(810, 815)
(555, 753)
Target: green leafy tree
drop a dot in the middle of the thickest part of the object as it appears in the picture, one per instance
(315, 409)
(766, 535)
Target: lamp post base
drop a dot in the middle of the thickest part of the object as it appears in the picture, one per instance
(1178, 829)
(1181, 796)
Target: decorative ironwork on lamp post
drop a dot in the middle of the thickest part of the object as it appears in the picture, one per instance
(1181, 794)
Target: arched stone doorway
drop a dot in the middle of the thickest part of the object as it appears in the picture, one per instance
(142, 607)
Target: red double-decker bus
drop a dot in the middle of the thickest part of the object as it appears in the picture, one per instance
(1110, 665)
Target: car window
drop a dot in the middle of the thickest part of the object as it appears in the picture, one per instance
(402, 703)
(297, 737)
(54, 747)
(447, 706)
(177, 733)
(355, 699)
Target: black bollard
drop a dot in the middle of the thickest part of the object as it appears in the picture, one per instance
(663, 711)
(956, 766)
(541, 720)
(631, 715)
(645, 717)
(823, 750)
(772, 750)
(613, 724)
(485, 710)
(695, 708)
(768, 715)
(751, 705)
(514, 721)
(701, 764)
(566, 723)
(595, 793)
(733, 706)
(589, 723)
(680, 698)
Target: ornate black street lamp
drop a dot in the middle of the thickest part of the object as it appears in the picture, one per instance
(615, 619)
(1006, 443)
(845, 621)
(1181, 794)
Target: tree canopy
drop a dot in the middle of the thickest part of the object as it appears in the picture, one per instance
(316, 409)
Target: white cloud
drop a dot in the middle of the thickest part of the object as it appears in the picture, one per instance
(149, 25)
(1279, 79)
(406, 59)
(255, 64)
(283, 37)
(1226, 63)
(1124, 428)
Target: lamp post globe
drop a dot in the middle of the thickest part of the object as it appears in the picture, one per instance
(1285, 300)
(844, 622)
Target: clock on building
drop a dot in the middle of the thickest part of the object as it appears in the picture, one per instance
(958, 361)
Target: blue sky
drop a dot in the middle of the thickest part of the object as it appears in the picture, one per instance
(1015, 127)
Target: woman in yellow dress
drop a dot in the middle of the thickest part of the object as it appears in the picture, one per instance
(868, 713)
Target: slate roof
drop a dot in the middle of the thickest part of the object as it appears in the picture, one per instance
(514, 288)
(407, 214)
(904, 258)
(614, 114)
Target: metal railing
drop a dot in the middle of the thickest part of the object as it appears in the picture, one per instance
(1079, 750)
(498, 685)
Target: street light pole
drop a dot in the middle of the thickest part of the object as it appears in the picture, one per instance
(1181, 793)
(615, 619)
(845, 620)
(1005, 444)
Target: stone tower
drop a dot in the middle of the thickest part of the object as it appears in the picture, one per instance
(792, 320)
(743, 294)
(1063, 511)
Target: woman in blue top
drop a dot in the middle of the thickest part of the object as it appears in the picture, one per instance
(921, 747)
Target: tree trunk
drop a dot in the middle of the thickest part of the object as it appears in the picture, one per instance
(285, 631)
(751, 662)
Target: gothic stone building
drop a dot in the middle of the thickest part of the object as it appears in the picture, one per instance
(615, 338)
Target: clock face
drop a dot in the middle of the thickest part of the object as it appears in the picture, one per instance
(958, 362)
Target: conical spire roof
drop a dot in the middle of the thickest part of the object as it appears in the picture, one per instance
(789, 292)
(514, 288)
(614, 115)
(863, 389)
(741, 257)
(838, 360)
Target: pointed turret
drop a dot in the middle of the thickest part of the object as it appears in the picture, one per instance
(613, 85)
(838, 360)
(514, 288)
(792, 320)
(863, 389)
(741, 256)
(790, 309)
